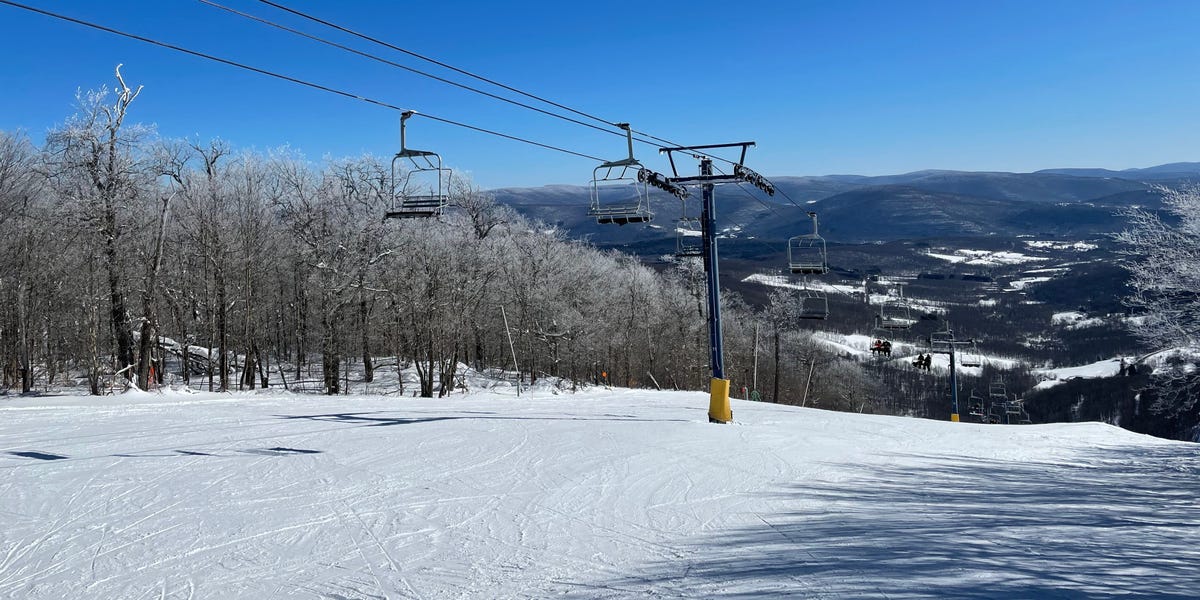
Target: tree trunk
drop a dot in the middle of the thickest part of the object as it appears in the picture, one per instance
(222, 331)
(775, 386)
(368, 365)
(330, 359)
(121, 324)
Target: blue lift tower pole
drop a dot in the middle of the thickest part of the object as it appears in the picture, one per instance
(718, 405)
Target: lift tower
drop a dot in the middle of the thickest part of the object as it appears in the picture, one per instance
(718, 406)
(943, 342)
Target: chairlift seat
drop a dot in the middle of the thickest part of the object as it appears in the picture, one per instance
(814, 314)
(406, 213)
(623, 218)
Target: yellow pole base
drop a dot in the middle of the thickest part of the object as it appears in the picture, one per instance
(718, 403)
(954, 417)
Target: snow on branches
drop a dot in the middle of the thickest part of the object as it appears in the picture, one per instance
(1164, 264)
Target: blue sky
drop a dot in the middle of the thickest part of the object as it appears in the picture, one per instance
(822, 87)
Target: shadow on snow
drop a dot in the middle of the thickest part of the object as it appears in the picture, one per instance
(367, 419)
(1113, 522)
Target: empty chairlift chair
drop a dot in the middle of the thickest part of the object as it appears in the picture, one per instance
(419, 182)
(814, 304)
(1013, 406)
(689, 240)
(970, 356)
(1024, 418)
(900, 320)
(997, 392)
(807, 254)
(941, 342)
(620, 192)
(975, 406)
(995, 413)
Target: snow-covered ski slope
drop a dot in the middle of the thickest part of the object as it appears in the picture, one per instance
(607, 493)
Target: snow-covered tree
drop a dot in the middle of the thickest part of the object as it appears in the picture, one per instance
(99, 168)
(1164, 266)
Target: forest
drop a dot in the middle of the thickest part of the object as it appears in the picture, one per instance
(132, 260)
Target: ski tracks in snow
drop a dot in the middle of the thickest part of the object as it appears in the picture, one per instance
(606, 494)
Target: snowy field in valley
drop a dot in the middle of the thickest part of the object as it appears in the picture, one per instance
(607, 493)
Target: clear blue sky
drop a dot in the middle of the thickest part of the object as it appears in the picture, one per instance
(823, 87)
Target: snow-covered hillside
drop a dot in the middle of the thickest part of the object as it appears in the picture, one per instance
(599, 494)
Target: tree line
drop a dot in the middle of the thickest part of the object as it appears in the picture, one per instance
(130, 259)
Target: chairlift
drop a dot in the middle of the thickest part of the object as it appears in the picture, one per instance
(941, 342)
(1013, 406)
(995, 413)
(895, 322)
(688, 238)
(807, 254)
(620, 191)
(422, 189)
(975, 405)
(997, 391)
(882, 347)
(971, 357)
(814, 304)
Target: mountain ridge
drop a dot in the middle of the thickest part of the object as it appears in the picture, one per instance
(859, 209)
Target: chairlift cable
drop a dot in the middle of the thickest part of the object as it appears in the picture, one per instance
(445, 65)
(760, 201)
(369, 100)
(400, 66)
(439, 63)
(288, 78)
(747, 192)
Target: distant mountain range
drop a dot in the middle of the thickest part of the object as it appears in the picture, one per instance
(857, 209)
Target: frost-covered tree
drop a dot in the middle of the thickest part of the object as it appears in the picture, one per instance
(24, 250)
(100, 169)
(1164, 267)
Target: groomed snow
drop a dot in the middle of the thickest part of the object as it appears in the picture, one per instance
(985, 257)
(609, 494)
(1077, 246)
(1110, 367)
(782, 281)
(1017, 285)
